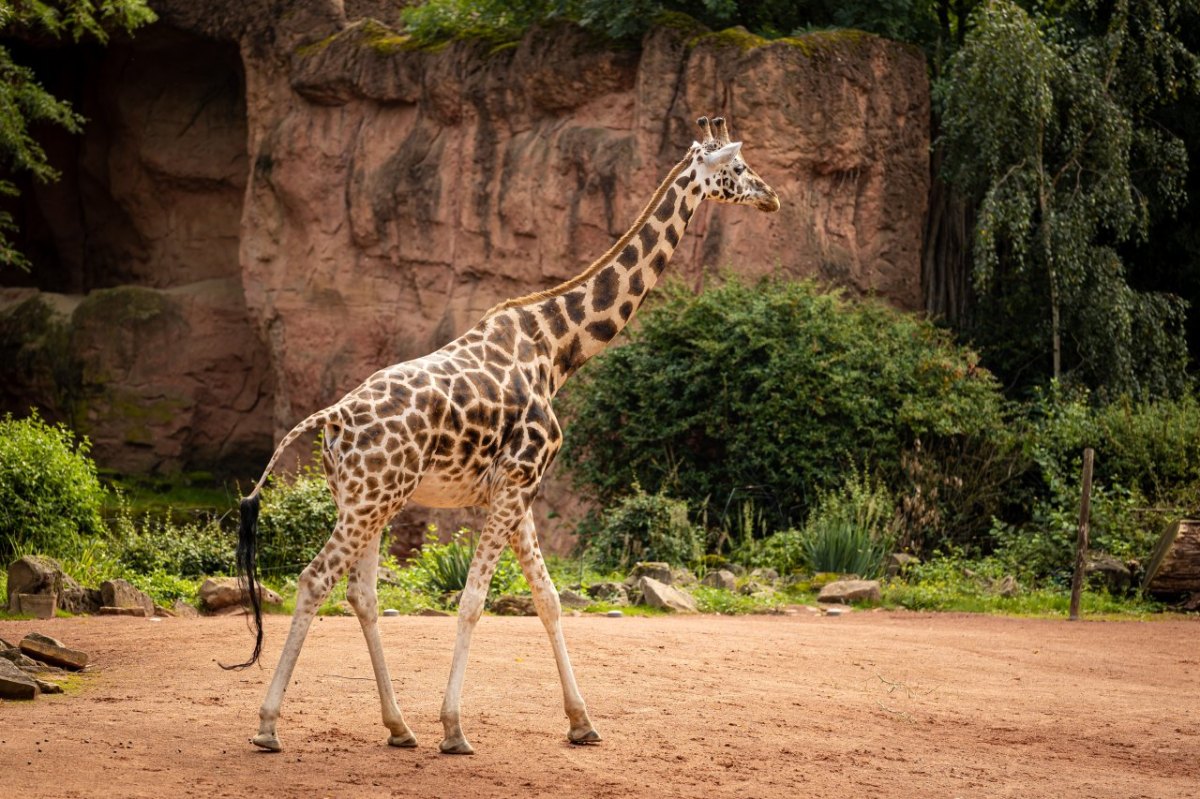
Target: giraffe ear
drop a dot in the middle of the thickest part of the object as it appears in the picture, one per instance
(724, 155)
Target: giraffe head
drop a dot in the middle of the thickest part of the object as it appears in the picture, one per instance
(723, 173)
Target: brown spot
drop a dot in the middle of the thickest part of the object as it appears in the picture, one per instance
(659, 263)
(672, 236)
(636, 284)
(626, 310)
(603, 330)
(666, 208)
(574, 303)
(569, 357)
(604, 289)
(553, 315)
(648, 237)
(628, 256)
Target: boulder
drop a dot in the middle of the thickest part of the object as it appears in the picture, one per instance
(767, 575)
(1108, 572)
(722, 578)
(40, 606)
(666, 597)
(80, 600)
(514, 605)
(612, 593)
(846, 591)
(431, 612)
(683, 577)
(21, 660)
(753, 587)
(1008, 587)
(218, 593)
(184, 610)
(34, 574)
(901, 562)
(573, 599)
(47, 687)
(50, 650)
(122, 594)
(655, 570)
(105, 610)
(16, 684)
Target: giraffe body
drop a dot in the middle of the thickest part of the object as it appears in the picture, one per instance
(472, 425)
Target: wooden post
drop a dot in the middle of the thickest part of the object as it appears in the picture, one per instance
(1081, 546)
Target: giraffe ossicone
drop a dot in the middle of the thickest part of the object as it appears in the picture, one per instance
(472, 425)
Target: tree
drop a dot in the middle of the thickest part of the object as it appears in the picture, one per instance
(23, 100)
(1045, 126)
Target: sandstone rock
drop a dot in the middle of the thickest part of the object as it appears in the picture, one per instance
(47, 687)
(16, 684)
(121, 594)
(40, 606)
(22, 661)
(653, 569)
(34, 574)
(184, 610)
(765, 575)
(753, 587)
(722, 578)
(509, 605)
(683, 577)
(49, 650)
(6, 644)
(217, 593)
(1108, 572)
(666, 597)
(432, 612)
(80, 600)
(612, 593)
(900, 563)
(573, 599)
(847, 591)
(106, 610)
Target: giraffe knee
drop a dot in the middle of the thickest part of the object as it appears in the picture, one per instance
(470, 606)
(362, 600)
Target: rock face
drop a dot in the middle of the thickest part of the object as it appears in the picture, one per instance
(299, 199)
(120, 594)
(16, 684)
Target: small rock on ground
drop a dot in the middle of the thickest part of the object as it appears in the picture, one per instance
(851, 591)
(573, 599)
(225, 592)
(391, 612)
(510, 605)
(48, 650)
(666, 597)
(721, 578)
(16, 684)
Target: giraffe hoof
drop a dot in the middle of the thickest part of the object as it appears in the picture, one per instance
(585, 736)
(456, 747)
(408, 741)
(267, 741)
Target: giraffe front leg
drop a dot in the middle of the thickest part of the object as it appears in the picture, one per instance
(470, 608)
(315, 583)
(549, 609)
(362, 595)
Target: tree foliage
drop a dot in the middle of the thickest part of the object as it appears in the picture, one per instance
(24, 102)
(1044, 125)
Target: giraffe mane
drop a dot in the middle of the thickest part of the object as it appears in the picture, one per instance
(611, 253)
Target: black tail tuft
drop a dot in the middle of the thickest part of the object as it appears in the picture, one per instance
(247, 549)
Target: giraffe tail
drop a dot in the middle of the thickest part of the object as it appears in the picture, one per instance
(247, 557)
(247, 546)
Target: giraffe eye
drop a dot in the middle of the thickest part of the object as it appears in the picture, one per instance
(739, 169)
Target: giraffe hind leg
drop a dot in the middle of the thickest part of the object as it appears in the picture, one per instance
(362, 596)
(343, 548)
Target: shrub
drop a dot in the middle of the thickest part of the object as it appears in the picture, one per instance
(296, 520)
(443, 568)
(780, 387)
(851, 530)
(644, 527)
(188, 550)
(50, 497)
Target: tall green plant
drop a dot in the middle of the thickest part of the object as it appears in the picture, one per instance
(50, 497)
(296, 520)
(851, 531)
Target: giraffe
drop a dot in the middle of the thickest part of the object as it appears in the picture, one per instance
(471, 425)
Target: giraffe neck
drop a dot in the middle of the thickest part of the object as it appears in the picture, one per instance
(583, 315)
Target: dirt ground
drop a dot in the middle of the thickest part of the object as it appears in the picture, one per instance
(882, 704)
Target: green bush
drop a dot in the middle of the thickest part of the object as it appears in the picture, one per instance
(779, 387)
(643, 527)
(50, 497)
(296, 520)
(851, 529)
(188, 550)
(443, 568)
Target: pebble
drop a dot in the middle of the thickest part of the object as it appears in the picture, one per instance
(614, 614)
(391, 612)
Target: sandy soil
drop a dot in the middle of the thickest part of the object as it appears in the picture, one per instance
(870, 704)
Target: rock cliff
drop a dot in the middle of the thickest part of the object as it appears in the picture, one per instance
(371, 200)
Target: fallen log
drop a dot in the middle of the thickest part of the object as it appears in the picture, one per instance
(1174, 567)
